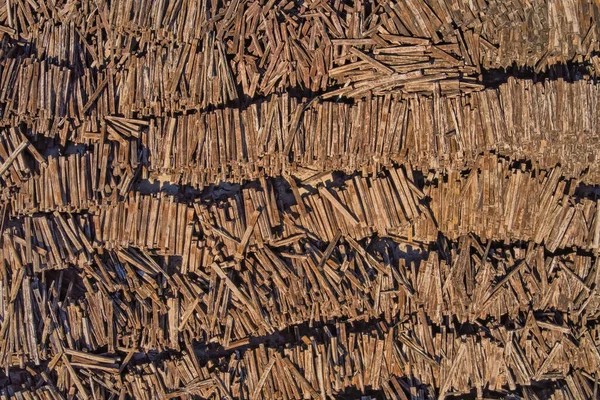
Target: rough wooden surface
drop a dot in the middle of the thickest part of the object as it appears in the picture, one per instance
(299, 200)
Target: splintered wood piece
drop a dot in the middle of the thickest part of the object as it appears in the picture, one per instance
(376, 64)
(288, 365)
(240, 296)
(338, 205)
(13, 156)
(263, 378)
(239, 255)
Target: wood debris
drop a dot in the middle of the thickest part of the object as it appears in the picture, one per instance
(299, 200)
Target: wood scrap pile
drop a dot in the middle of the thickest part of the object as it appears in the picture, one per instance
(293, 200)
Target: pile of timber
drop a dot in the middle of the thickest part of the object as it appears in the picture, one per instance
(438, 314)
(520, 119)
(233, 199)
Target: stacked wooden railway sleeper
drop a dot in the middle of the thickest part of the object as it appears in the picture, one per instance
(299, 199)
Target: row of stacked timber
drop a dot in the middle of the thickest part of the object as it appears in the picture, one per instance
(520, 120)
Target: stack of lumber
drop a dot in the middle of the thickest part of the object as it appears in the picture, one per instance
(233, 199)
